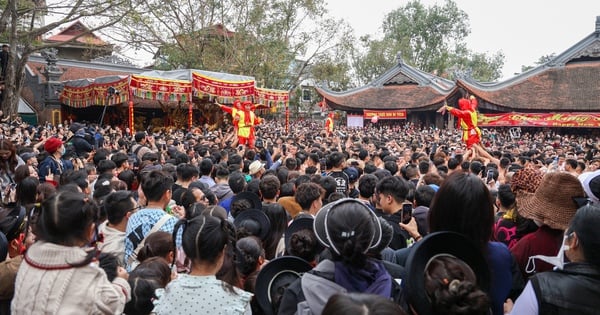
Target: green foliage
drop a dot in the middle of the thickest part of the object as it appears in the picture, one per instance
(377, 59)
(335, 74)
(432, 39)
(21, 28)
(426, 36)
(260, 38)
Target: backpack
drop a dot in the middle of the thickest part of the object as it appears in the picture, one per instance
(133, 156)
(317, 290)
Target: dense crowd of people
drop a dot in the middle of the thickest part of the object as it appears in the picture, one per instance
(391, 218)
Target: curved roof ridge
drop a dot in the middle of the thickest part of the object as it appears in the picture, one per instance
(560, 60)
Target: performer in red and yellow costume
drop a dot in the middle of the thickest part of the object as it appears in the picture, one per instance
(467, 118)
(237, 106)
(329, 125)
(245, 120)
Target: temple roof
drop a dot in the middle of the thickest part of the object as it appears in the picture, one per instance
(401, 87)
(76, 29)
(573, 87)
(567, 82)
(74, 69)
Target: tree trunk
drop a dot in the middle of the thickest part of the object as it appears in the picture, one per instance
(13, 84)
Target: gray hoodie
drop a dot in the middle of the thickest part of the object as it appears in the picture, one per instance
(222, 191)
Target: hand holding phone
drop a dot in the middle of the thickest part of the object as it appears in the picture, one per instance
(490, 176)
(406, 213)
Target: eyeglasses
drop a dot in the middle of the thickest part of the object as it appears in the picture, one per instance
(134, 210)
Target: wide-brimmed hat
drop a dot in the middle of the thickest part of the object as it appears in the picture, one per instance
(591, 185)
(554, 202)
(251, 197)
(254, 221)
(255, 167)
(441, 244)
(326, 237)
(274, 278)
(298, 224)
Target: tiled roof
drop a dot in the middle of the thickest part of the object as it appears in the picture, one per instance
(75, 29)
(74, 73)
(74, 70)
(574, 87)
(86, 39)
(88, 70)
(407, 96)
(569, 82)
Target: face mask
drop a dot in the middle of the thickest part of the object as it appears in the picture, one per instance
(558, 261)
(63, 150)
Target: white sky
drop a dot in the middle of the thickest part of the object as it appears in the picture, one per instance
(523, 30)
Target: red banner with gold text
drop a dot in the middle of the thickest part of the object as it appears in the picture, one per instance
(226, 89)
(270, 97)
(581, 120)
(160, 89)
(385, 114)
(90, 92)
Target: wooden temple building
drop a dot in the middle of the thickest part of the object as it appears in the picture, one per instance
(563, 92)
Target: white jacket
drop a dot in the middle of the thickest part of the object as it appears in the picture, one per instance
(48, 284)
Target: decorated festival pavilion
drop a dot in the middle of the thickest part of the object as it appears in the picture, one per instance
(84, 80)
(563, 92)
(186, 97)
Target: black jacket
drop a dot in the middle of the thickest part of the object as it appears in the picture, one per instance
(573, 290)
(400, 235)
(81, 145)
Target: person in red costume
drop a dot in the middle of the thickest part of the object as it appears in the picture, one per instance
(467, 118)
(237, 106)
(329, 125)
(245, 120)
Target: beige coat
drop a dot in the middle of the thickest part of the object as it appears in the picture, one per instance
(48, 284)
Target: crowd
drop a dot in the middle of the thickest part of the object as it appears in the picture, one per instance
(392, 218)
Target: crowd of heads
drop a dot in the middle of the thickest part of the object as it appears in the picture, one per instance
(303, 194)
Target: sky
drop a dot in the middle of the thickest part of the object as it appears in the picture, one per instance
(524, 30)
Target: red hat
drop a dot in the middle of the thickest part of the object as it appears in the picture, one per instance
(52, 145)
